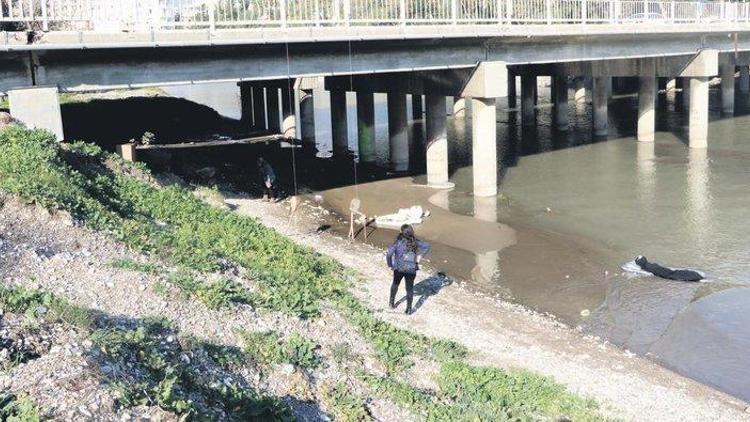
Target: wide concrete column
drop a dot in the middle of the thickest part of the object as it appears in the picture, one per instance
(600, 98)
(726, 72)
(561, 102)
(259, 110)
(246, 104)
(339, 124)
(698, 117)
(459, 107)
(528, 99)
(744, 81)
(398, 136)
(288, 113)
(484, 146)
(272, 108)
(646, 108)
(307, 116)
(37, 108)
(580, 91)
(366, 126)
(511, 90)
(417, 110)
(684, 85)
(437, 142)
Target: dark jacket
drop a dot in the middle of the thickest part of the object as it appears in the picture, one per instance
(397, 250)
(266, 173)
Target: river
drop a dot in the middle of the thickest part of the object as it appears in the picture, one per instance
(572, 209)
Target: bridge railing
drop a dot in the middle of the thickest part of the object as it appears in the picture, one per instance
(133, 15)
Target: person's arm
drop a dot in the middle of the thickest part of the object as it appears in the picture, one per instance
(424, 248)
(389, 255)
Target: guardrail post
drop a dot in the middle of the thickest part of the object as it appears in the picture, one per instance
(347, 12)
(454, 12)
(584, 11)
(211, 16)
(499, 6)
(45, 18)
(645, 9)
(317, 12)
(672, 11)
(402, 14)
(509, 11)
(282, 13)
(548, 7)
(618, 10)
(699, 12)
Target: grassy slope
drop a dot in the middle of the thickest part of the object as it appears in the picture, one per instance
(109, 195)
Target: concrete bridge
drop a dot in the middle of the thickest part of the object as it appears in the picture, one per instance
(466, 49)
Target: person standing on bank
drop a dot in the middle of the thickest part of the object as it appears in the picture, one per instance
(268, 179)
(403, 258)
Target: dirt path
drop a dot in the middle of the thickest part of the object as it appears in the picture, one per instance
(505, 335)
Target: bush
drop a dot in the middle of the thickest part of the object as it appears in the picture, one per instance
(268, 348)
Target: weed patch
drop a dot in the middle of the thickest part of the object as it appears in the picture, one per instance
(44, 306)
(129, 264)
(344, 404)
(17, 409)
(268, 348)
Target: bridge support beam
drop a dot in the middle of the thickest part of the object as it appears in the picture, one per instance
(484, 146)
(37, 108)
(437, 142)
(366, 126)
(561, 102)
(528, 99)
(727, 88)
(272, 107)
(259, 111)
(339, 123)
(398, 137)
(744, 82)
(580, 91)
(417, 110)
(307, 115)
(698, 117)
(646, 109)
(288, 113)
(601, 95)
(511, 90)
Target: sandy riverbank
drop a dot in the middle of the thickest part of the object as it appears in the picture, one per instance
(504, 335)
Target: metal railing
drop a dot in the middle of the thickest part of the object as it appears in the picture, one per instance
(124, 15)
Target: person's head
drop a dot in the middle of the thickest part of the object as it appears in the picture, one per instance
(407, 233)
(260, 161)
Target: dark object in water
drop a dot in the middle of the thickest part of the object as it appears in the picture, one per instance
(668, 273)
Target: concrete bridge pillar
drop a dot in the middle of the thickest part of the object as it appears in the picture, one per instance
(671, 84)
(259, 110)
(417, 110)
(601, 95)
(528, 99)
(646, 109)
(684, 85)
(272, 108)
(339, 124)
(727, 88)
(397, 131)
(511, 90)
(459, 107)
(37, 108)
(288, 113)
(307, 115)
(246, 104)
(698, 114)
(437, 142)
(744, 82)
(580, 91)
(561, 102)
(484, 146)
(366, 126)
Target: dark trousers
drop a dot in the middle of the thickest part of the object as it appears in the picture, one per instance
(397, 276)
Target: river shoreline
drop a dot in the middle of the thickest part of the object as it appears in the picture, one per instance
(503, 334)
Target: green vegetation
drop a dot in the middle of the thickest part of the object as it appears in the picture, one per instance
(166, 380)
(267, 348)
(345, 404)
(170, 223)
(43, 306)
(129, 264)
(474, 393)
(17, 409)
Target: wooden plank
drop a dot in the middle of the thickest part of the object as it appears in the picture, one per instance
(217, 143)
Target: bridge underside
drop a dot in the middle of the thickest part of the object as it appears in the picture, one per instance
(112, 68)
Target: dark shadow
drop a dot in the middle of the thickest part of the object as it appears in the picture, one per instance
(427, 288)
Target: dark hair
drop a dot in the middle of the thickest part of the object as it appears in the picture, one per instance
(407, 234)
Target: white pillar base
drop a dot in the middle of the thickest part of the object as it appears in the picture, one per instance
(646, 109)
(437, 143)
(484, 148)
(698, 124)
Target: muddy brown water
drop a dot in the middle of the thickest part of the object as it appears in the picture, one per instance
(572, 209)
